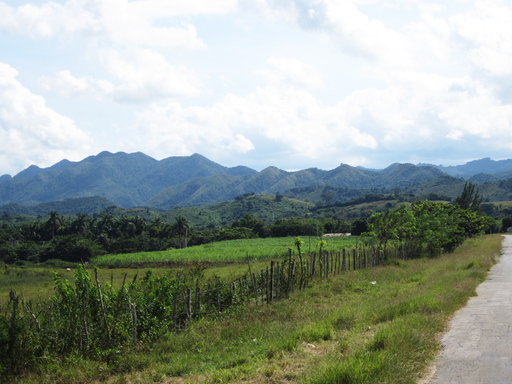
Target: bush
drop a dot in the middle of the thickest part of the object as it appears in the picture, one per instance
(72, 248)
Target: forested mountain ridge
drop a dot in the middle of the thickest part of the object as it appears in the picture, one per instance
(130, 180)
(125, 179)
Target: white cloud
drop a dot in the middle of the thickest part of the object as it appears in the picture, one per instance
(287, 121)
(420, 111)
(114, 21)
(272, 10)
(30, 132)
(66, 84)
(145, 74)
(291, 72)
(141, 75)
(362, 36)
(487, 33)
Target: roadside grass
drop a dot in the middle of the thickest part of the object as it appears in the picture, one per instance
(380, 325)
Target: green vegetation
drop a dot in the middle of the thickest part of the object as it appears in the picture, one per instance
(222, 252)
(428, 228)
(367, 326)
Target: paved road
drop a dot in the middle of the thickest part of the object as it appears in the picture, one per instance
(478, 347)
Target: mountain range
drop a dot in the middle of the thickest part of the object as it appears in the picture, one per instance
(135, 179)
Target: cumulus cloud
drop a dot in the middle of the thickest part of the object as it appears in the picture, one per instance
(30, 132)
(360, 35)
(66, 84)
(417, 113)
(290, 72)
(486, 30)
(141, 75)
(287, 120)
(114, 21)
(145, 74)
(272, 10)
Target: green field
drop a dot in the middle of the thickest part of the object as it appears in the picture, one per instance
(225, 259)
(224, 251)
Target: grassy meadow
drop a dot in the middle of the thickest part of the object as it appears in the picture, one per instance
(379, 325)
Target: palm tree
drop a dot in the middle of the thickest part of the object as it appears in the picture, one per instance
(53, 223)
(106, 223)
(79, 225)
(182, 226)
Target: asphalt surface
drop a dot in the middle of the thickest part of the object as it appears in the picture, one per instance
(478, 346)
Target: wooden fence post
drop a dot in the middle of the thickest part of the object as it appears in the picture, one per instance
(271, 281)
(327, 267)
(262, 283)
(255, 287)
(267, 283)
(189, 304)
(278, 285)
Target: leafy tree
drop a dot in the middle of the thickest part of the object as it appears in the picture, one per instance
(248, 221)
(428, 227)
(470, 197)
(506, 223)
(359, 225)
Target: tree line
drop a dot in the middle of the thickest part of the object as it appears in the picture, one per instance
(82, 237)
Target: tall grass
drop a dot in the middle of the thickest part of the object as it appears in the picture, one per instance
(380, 325)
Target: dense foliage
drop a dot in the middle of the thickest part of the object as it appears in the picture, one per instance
(427, 227)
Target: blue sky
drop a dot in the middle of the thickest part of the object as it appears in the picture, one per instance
(289, 83)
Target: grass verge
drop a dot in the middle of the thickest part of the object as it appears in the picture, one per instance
(370, 326)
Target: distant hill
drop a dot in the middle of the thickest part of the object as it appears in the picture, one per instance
(85, 205)
(137, 180)
(483, 166)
